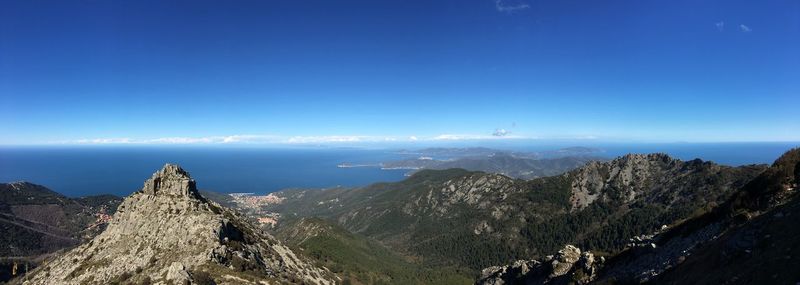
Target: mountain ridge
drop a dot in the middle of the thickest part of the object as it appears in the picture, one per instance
(629, 219)
(167, 232)
(747, 239)
(478, 219)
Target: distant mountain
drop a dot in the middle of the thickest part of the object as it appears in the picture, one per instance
(167, 233)
(571, 151)
(476, 219)
(500, 163)
(444, 153)
(35, 221)
(448, 153)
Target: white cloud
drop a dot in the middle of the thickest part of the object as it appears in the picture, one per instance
(720, 25)
(588, 137)
(500, 133)
(273, 139)
(510, 6)
(452, 137)
(455, 137)
(248, 138)
(745, 29)
(325, 139)
(105, 141)
(179, 140)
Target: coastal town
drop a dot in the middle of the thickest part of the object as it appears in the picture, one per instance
(253, 204)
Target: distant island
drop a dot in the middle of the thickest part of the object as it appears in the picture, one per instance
(515, 164)
(349, 165)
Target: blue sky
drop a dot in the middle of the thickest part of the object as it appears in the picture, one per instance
(87, 72)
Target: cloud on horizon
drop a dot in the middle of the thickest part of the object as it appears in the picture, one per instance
(500, 133)
(278, 140)
(456, 137)
(176, 140)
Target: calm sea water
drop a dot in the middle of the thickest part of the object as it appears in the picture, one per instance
(86, 171)
(733, 154)
(79, 171)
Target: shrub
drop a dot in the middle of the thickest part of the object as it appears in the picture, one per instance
(203, 278)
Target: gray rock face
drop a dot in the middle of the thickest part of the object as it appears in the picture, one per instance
(168, 233)
(177, 272)
(563, 262)
(649, 177)
(634, 173)
(171, 180)
(569, 265)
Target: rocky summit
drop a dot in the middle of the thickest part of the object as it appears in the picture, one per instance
(167, 233)
(569, 266)
(171, 180)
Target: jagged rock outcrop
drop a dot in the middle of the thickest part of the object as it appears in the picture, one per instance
(477, 190)
(570, 265)
(171, 180)
(168, 233)
(650, 177)
(749, 239)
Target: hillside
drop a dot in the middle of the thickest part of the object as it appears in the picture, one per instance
(358, 259)
(475, 219)
(168, 233)
(36, 221)
(757, 234)
(748, 239)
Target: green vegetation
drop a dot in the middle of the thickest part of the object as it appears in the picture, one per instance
(360, 260)
(202, 278)
(36, 221)
(516, 219)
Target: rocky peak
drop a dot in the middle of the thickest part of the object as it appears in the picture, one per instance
(171, 180)
(649, 157)
(168, 234)
(633, 172)
(569, 266)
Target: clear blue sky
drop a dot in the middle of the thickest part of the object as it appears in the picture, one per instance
(322, 70)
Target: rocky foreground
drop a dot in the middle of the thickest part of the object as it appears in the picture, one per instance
(167, 233)
(569, 266)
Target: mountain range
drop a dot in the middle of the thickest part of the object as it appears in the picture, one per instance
(636, 218)
(515, 164)
(502, 163)
(474, 219)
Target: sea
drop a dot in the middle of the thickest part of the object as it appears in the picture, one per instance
(121, 170)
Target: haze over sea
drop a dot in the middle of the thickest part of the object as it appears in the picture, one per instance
(89, 170)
